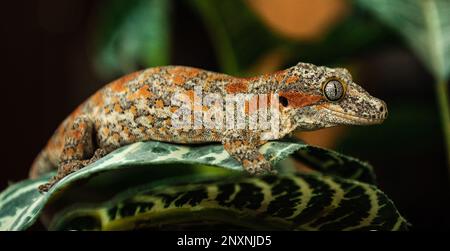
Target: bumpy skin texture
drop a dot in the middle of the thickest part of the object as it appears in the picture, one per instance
(138, 107)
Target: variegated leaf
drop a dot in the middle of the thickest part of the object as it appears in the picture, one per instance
(162, 164)
(284, 202)
(21, 204)
(334, 163)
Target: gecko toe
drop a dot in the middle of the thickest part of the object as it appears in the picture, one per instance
(264, 172)
(45, 187)
(251, 170)
(261, 169)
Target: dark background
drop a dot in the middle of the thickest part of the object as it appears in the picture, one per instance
(47, 71)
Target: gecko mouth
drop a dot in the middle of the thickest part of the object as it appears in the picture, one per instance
(359, 120)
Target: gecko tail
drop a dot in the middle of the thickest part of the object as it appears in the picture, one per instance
(41, 165)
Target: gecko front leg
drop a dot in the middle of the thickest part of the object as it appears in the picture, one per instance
(78, 150)
(243, 146)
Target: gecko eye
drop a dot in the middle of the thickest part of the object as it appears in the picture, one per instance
(333, 90)
(283, 101)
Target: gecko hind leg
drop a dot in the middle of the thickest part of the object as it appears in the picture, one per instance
(78, 149)
(71, 167)
(63, 171)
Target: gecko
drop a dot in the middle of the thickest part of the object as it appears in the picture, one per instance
(138, 107)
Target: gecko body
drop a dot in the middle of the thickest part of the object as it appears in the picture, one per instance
(139, 107)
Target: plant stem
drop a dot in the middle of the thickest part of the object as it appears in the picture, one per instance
(442, 95)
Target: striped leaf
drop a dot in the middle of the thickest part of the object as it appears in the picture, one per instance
(292, 202)
(154, 164)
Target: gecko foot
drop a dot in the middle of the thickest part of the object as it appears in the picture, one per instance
(259, 168)
(63, 171)
(71, 167)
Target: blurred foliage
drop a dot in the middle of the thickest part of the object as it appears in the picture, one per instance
(240, 40)
(425, 25)
(337, 45)
(135, 34)
(131, 35)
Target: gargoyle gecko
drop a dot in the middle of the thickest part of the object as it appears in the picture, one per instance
(137, 107)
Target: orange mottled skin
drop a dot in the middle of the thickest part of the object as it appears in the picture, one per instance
(137, 107)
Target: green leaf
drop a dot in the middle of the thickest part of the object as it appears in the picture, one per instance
(156, 165)
(424, 24)
(131, 35)
(334, 163)
(293, 202)
(21, 203)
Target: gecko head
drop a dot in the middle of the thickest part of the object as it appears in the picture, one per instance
(321, 97)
